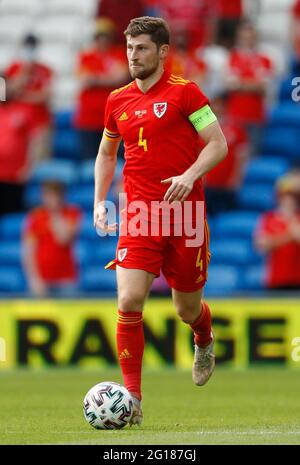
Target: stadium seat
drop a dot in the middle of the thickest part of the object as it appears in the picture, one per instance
(87, 230)
(285, 90)
(66, 7)
(59, 58)
(82, 195)
(66, 145)
(11, 226)
(232, 252)
(82, 252)
(254, 277)
(256, 197)
(10, 253)
(223, 280)
(11, 280)
(239, 224)
(32, 195)
(282, 141)
(265, 169)
(55, 170)
(96, 279)
(286, 115)
(13, 29)
(19, 7)
(63, 120)
(64, 29)
(66, 90)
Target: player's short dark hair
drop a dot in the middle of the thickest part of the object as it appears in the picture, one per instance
(156, 28)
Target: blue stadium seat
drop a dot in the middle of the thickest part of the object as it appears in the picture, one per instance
(223, 280)
(82, 252)
(63, 120)
(32, 195)
(286, 114)
(10, 253)
(254, 277)
(232, 252)
(256, 197)
(282, 141)
(11, 226)
(286, 89)
(97, 279)
(239, 224)
(82, 195)
(87, 230)
(55, 170)
(266, 169)
(66, 145)
(11, 280)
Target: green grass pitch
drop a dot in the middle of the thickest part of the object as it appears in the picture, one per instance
(257, 406)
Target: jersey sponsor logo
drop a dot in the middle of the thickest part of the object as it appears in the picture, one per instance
(123, 117)
(122, 254)
(140, 113)
(160, 109)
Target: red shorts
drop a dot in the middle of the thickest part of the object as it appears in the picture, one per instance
(185, 268)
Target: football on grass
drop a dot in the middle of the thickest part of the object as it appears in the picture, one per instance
(108, 405)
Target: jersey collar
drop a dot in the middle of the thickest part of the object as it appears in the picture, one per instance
(163, 79)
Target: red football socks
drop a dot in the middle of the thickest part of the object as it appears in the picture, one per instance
(130, 345)
(202, 327)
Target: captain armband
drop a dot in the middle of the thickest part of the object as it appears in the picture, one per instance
(202, 118)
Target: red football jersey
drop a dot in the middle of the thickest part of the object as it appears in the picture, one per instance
(160, 141)
(283, 264)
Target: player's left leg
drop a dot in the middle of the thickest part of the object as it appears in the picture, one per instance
(194, 311)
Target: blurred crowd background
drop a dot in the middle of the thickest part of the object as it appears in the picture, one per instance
(59, 60)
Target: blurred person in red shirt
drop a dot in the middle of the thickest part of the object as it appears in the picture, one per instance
(183, 61)
(278, 236)
(15, 166)
(229, 14)
(101, 68)
(295, 37)
(197, 17)
(249, 73)
(120, 13)
(29, 83)
(48, 240)
(223, 181)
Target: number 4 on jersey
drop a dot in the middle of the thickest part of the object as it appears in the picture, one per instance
(142, 142)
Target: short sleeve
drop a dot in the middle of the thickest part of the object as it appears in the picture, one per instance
(194, 99)
(110, 126)
(196, 107)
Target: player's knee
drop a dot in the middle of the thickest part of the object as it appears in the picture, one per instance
(187, 313)
(131, 303)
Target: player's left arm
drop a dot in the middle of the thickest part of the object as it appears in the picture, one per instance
(214, 151)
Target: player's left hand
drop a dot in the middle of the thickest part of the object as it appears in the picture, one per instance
(180, 188)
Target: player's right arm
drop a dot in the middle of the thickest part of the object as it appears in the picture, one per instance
(105, 166)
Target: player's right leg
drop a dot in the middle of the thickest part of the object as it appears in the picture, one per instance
(133, 288)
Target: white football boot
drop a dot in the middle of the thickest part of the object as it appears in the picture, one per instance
(137, 416)
(204, 363)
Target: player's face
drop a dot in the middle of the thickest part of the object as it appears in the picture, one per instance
(143, 56)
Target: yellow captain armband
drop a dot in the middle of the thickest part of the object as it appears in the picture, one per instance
(202, 118)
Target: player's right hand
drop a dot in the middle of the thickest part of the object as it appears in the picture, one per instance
(100, 220)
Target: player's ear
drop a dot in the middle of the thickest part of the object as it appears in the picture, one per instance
(163, 51)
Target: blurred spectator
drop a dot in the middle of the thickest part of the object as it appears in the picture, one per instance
(197, 17)
(48, 241)
(229, 14)
(15, 123)
(101, 68)
(120, 13)
(295, 37)
(278, 235)
(223, 181)
(182, 60)
(29, 84)
(248, 77)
